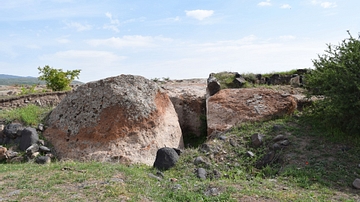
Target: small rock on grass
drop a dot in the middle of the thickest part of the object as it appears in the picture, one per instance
(201, 173)
(279, 138)
(212, 192)
(356, 183)
(154, 176)
(257, 139)
(44, 149)
(43, 160)
(199, 160)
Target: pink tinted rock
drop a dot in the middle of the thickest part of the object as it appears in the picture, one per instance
(230, 107)
(120, 119)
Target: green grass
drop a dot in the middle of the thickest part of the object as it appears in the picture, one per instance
(226, 79)
(30, 115)
(290, 72)
(314, 167)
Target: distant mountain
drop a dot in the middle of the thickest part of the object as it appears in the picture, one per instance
(6, 76)
(7, 80)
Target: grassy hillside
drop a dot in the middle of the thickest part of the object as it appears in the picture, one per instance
(313, 167)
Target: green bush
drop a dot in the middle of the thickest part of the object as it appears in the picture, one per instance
(337, 78)
(57, 79)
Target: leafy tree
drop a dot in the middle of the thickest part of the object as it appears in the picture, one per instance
(337, 78)
(57, 79)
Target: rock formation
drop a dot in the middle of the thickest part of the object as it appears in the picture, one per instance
(124, 119)
(230, 107)
(188, 98)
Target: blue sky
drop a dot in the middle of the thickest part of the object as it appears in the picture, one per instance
(177, 39)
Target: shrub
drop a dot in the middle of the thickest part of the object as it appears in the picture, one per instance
(337, 77)
(57, 79)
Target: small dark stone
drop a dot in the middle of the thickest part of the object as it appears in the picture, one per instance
(276, 146)
(257, 139)
(356, 183)
(222, 137)
(43, 160)
(44, 149)
(29, 136)
(233, 143)
(205, 148)
(212, 192)
(266, 160)
(32, 149)
(199, 160)
(284, 143)
(213, 86)
(166, 158)
(201, 173)
(13, 130)
(279, 138)
(277, 127)
(11, 154)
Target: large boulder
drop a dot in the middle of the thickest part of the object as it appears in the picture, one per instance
(120, 119)
(230, 107)
(188, 98)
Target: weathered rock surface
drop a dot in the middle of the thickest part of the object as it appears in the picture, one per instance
(12, 131)
(213, 86)
(230, 107)
(29, 136)
(188, 98)
(119, 119)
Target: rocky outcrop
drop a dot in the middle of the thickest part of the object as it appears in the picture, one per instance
(188, 98)
(124, 119)
(230, 107)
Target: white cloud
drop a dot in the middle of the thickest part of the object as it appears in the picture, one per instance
(287, 37)
(114, 23)
(324, 4)
(63, 41)
(265, 3)
(78, 26)
(285, 6)
(199, 14)
(129, 41)
(328, 5)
